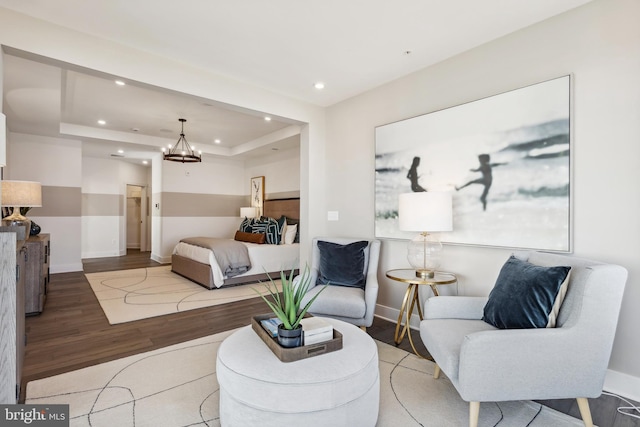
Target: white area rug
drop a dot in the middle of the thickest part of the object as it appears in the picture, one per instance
(177, 386)
(128, 295)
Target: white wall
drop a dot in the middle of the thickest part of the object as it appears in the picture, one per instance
(600, 45)
(221, 177)
(105, 235)
(281, 171)
(52, 162)
(32, 35)
(211, 176)
(41, 38)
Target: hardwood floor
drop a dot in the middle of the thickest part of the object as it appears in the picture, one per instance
(73, 332)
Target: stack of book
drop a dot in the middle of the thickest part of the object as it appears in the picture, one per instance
(271, 326)
(316, 330)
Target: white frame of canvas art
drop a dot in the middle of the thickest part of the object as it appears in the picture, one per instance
(526, 179)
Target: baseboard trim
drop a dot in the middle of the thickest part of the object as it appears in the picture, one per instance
(391, 314)
(622, 384)
(161, 260)
(65, 268)
(615, 382)
(102, 254)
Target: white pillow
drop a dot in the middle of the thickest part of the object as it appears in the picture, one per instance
(290, 234)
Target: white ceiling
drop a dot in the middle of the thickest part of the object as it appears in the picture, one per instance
(282, 45)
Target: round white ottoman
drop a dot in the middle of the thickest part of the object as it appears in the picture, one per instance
(341, 388)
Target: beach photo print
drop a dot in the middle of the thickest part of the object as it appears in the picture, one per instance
(505, 158)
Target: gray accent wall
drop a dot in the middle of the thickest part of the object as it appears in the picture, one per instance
(201, 205)
(102, 204)
(59, 202)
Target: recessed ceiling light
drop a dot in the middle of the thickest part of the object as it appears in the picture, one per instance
(144, 162)
(217, 141)
(267, 118)
(120, 83)
(102, 122)
(319, 85)
(120, 151)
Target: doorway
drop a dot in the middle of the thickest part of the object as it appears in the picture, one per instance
(136, 217)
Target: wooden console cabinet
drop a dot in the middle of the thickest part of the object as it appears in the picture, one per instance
(37, 273)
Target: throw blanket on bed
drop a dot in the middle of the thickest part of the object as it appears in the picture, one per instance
(232, 256)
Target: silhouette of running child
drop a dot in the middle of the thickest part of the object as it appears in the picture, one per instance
(413, 175)
(487, 177)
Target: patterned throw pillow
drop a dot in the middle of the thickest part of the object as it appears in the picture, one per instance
(282, 226)
(270, 228)
(246, 224)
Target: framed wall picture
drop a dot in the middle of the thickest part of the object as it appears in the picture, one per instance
(257, 192)
(506, 159)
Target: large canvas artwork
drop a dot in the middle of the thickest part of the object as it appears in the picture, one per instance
(506, 158)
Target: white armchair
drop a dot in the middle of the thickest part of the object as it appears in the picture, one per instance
(349, 304)
(486, 364)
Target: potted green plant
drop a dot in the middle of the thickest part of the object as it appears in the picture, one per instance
(286, 306)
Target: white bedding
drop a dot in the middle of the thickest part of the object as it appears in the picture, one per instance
(264, 258)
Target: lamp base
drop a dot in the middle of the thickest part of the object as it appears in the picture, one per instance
(423, 253)
(15, 216)
(425, 274)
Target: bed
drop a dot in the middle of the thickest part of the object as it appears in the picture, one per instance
(200, 265)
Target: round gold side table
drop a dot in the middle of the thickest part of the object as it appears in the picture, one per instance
(408, 275)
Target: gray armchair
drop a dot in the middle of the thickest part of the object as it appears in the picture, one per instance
(349, 304)
(486, 364)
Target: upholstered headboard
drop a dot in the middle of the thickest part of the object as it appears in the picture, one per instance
(277, 207)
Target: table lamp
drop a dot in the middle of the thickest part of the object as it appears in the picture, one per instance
(250, 212)
(426, 212)
(20, 194)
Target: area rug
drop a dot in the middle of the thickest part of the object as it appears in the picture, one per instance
(177, 386)
(128, 295)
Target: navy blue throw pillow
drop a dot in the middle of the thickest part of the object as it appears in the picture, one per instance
(524, 295)
(342, 265)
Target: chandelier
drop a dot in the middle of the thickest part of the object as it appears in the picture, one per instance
(181, 150)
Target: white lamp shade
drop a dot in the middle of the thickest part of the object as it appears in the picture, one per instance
(426, 211)
(21, 194)
(250, 212)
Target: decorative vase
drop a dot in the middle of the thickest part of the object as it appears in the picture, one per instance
(35, 229)
(290, 338)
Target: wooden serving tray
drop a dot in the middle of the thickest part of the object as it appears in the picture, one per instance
(296, 353)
